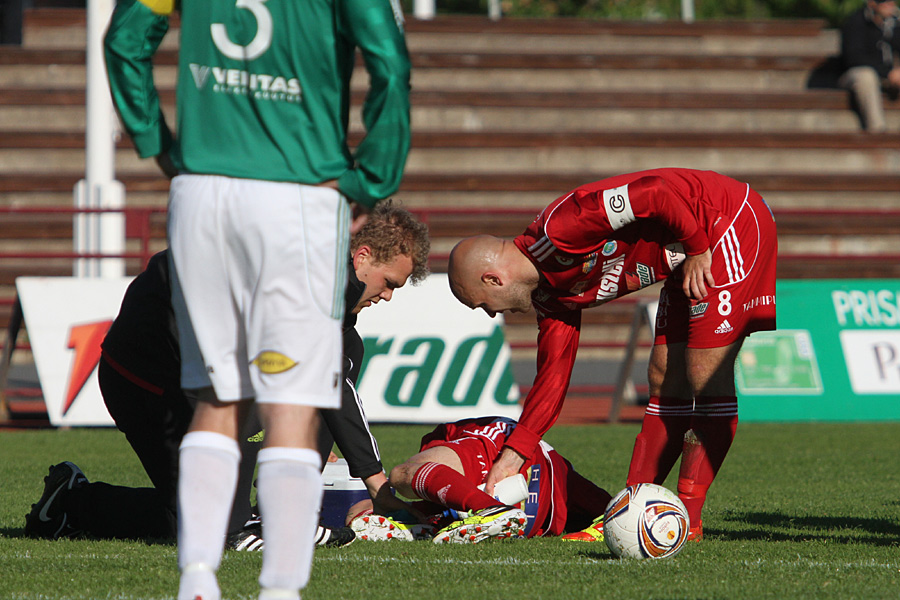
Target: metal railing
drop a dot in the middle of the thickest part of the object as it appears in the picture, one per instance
(138, 227)
(426, 10)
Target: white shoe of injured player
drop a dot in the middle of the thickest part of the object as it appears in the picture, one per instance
(494, 522)
(380, 528)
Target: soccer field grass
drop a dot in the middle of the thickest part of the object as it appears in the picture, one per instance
(798, 511)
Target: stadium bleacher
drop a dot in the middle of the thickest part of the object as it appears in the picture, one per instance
(507, 115)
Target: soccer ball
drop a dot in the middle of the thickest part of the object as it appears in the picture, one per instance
(645, 521)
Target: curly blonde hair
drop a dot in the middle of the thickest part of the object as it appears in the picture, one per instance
(392, 230)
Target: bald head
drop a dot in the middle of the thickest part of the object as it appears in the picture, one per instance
(492, 274)
(470, 258)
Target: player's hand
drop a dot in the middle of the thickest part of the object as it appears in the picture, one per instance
(894, 77)
(360, 216)
(507, 464)
(164, 161)
(697, 271)
(384, 502)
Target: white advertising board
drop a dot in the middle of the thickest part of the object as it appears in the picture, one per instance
(873, 360)
(66, 319)
(431, 359)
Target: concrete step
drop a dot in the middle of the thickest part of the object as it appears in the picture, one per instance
(72, 76)
(824, 44)
(499, 189)
(468, 118)
(67, 29)
(482, 161)
(46, 109)
(602, 80)
(471, 70)
(625, 159)
(582, 141)
(889, 200)
(464, 118)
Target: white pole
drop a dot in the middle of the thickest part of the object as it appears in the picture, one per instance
(99, 233)
(494, 10)
(687, 11)
(424, 9)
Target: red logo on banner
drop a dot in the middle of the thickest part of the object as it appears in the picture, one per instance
(85, 340)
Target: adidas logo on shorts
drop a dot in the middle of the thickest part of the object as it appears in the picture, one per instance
(724, 327)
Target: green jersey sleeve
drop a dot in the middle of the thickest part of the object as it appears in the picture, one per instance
(134, 35)
(375, 27)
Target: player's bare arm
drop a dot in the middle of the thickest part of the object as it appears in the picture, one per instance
(894, 77)
(384, 502)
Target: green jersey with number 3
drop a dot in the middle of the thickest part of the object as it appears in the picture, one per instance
(264, 89)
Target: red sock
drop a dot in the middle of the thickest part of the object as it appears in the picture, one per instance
(714, 425)
(439, 483)
(660, 441)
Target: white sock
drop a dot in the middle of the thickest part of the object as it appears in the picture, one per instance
(208, 467)
(289, 493)
(272, 594)
(198, 581)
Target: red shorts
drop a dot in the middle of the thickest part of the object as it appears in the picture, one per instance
(476, 444)
(743, 301)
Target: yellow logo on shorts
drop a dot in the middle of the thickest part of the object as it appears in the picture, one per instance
(272, 363)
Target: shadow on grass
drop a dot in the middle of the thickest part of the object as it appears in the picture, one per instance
(19, 533)
(780, 527)
(12, 532)
(604, 554)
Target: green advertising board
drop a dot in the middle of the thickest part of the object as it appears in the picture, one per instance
(834, 357)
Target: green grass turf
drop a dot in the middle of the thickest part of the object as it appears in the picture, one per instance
(799, 511)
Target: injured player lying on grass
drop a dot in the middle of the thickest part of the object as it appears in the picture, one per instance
(547, 496)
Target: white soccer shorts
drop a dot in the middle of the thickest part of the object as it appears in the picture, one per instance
(258, 278)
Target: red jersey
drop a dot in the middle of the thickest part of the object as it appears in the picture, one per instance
(550, 477)
(604, 240)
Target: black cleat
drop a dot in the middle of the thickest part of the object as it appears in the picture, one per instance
(334, 538)
(248, 539)
(47, 518)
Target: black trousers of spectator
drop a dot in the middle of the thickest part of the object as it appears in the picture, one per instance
(11, 22)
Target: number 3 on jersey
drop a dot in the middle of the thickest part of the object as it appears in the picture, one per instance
(258, 45)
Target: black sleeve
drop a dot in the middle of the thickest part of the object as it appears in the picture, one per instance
(859, 45)
(853, 42)
(348, 425)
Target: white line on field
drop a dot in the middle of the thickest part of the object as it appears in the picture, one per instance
(512, 561)
(866, 564)
(452, 561)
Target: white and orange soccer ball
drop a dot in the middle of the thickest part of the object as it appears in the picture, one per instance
(645, 521)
